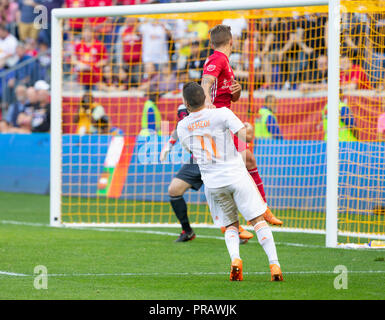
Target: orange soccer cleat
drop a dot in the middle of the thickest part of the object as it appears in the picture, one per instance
(276, 273)
(270, 218)
(243, 234)
(236, 273)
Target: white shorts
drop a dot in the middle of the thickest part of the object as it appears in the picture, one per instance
(225, 202)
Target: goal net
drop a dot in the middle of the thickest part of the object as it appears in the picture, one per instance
(118, 88)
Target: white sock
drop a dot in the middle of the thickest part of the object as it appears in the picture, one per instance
(265, 238)
(232, 242)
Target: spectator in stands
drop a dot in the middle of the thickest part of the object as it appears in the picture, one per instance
(278, 41)
(112, 81)
(131, 50)
(297, 54)
(32, 100)
(313, 35)
(22, 75)
(18, 106)
(316, 79)
(196, 61)
(240, 61)
(89, 113)
(353, 37)
(31, 49)
(83, 117)
(8, 44)
(15, 109)
(8, 11)
(347, 125)
(44, 62)
(27, 16)
(89, 59)
(24, 118)
(191, 32)
(352, 76)
(3, 84)
(266, 126)
(40, 121)
(154, 47)
(177, 42)
(164, 81)
(35, 116)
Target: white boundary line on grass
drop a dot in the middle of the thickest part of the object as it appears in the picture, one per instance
(13, 274)
(130, 230)
(133, 274)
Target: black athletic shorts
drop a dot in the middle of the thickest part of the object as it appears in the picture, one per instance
(191, 174)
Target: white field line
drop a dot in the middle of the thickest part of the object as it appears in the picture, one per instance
(129, 230)
(143, 274)
(13, 274)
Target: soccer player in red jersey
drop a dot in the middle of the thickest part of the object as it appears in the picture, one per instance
(90, 57)
(221, 89)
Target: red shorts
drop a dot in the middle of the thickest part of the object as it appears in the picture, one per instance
(239, 144)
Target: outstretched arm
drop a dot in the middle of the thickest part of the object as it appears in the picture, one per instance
(169, 145)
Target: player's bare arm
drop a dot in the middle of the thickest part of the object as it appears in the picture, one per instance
(242, 134)
(236, 90)
(206, 84)
(246, 133)
(249, 132)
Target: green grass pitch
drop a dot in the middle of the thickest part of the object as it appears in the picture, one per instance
(145, 263)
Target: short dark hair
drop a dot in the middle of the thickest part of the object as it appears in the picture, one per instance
(220, 35)
(87, 98)
(194, 95)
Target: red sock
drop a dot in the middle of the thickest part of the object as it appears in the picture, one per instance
(258, 181)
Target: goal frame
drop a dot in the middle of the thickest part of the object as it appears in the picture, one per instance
(333, 93)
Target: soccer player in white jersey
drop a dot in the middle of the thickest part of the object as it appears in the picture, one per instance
(228, 186)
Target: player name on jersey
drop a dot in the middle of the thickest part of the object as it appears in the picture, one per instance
(199, 125)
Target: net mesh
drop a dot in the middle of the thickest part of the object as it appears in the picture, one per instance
(122, 79)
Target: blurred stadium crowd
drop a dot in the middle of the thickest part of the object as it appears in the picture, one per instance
(155, 57)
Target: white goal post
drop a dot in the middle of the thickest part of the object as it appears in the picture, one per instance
(333, 85)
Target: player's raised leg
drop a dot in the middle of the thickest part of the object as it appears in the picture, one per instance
(251, 166)
(176, 190)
